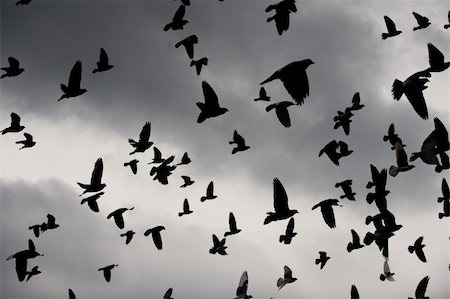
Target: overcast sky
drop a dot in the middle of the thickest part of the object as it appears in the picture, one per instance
(152, 81)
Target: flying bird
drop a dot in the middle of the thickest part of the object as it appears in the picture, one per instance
(188, 43)
(156, 235)
(289, 234)
(50, 224)
(218, 246)
(143, 144)
(343, 119)
(15, 125)
(392, 137)
(185, 159)
(22, 258)
(413, 88)
(294, 79)
(421, 289)
(168, 294)
(387, 274)
(186, 209)
(96, 179)
(402, 161)
(103, 62)
(281, 16)
(354, 294)
(33, 272)
(92, 201)
(280, 204)
(262, 95)
(178, 21)
(133, 165)
(209, 192)
(418, 249)
(163, 171)
(157, 156)
(28, 142)
(422, 22)
(240, 143)
(330, 149)
(232, 224)
(118, 216)
(391, 28)
(128, 235)
(107, 271)
(72, 89)
(199, 64)
(355, 243)
(326, 207)
(187, 181)
(281, 282)
(436, 60)
(241, 291)
(356, 102)
(13, 69)
(347, 188)
(282, 112)
(323, 259)
(210, 108)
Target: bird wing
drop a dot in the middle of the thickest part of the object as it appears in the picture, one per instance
(421, 255)
(354, 294)
(210, 96)
(297, 85)
(75, 76)
(185, 205)
(50, 219)
(386, 268)
(328, 215)
(422, 287)
(103, 57)
(157, 154)
(290, 226)
(157, 239)
(71, 294)
(93, 205)
(241, 290)
(179, 14)
(118, 219)
(31, 246)
(420, 19)
(390, 25)
(435, 56)
(107, 274)
(145, 132)
(168, 293)
(15, 120)
(283, 116)
(445, 190)
(391, 130)
(282, 21)
(280, 198)
(356, 99)
(96, 177)
(28, 137)
(13, 63)
(232, 222)
(215, 240)
(210, 189)
(238, 138)
(287, 273)
(402, 158)
(21, 268)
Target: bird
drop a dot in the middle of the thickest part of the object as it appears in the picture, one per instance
(143, 144)
(379, 179)
(418, 249)
(280, 204)
(347, 188)
(177, 21)
(15, 125)
(281, 282)
(356, 102)
(281, 17)
(326, 207)
(188, 43)
(392, 137)
(133, 165)
(92, 201)
(128, 235)
(163, 171)
(107, 271)
(199, 64)
(72, 89)
(240, 143)
(343, 119)
(241, 291)
(262, 95)
(22, 257)
(391, 28)
(421, 289)
(186, 209)
(50, 224)
(232, 224)
(72, 294)
(445, 191)
(185, 159)
(23, 2)
(187, 181)
(355, 243)
(28, 142)
(323, 259)
(13, 69)
(209, 192)
(157, 156)
(402, 161)
(33, 272)
(282, 112)
(446, 26)
(96, 179)
(387, 274)
(413, 88)
(354, 294)
(330, 149)
(294, 79)
(118, 216)
(156, 235)
(436, 60)
(210, 108)
(103, 63)
(168, 294)
(289, 234)
(422, 22)
(218, 246)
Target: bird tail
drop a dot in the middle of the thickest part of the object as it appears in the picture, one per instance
(350, 247)
(397, 89)
(202, 199)
(95, 71)
(267, 220)
(167, 27)
(177, 45)
(416, 28)
(411, 249)
(384, 35)
(234, 151)
(393, 171)
(441, 199)
(282, 238)
(382, 277)
(385, 138)
(441, 215)
(317, 261)
(280, 283)
(370, 198)
(180, 214)
(446, 26)
(273, 77)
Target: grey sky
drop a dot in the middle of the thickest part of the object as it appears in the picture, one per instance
(152, 81)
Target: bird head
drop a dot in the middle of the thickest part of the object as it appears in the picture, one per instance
(307, 62)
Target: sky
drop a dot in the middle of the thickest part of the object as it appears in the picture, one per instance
(152, 82)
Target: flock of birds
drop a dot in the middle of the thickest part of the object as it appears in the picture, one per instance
(295, 80)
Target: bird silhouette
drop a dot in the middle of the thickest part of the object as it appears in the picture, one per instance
(343, 120)
(178, 21)
(210, 108)
(289, 234)
(143, 144)
(240, 143)
(156, 235)
(446, 26)
(187, 181)
(22, 258)
(356, 102)
(355, 243)
(413, 88)
(186, 209)
(72, 89)
(392, 137)
(72, 294)
(323, 259)
(199, 64)
(387, 274)
(92, 201)
(107, 271)
(241, 291)
(262, 95)
(96, 179)
(379, 179)
(133, 165)
(168, 294)
(282, 112)
(402, 161)
(118, 216)
(103, 62)
(436, 60)
(157, 156)
(233, 227)
(445, 191)
(391, 28)
(294, 79)
(163, 171)
(422, 22)
(218, 246)
(326, 207)
(418, 249)
(330, 149)
(188, 43)
(209, 192)
(28, 142)
(354, 294)
(281, 282)
(128, 235)
(281, 16)
(33, 272)
(23, 2)
(50, 224)
(280, 204)
(13, 69)
(15, 125)
(347, 188)
(185, 159)
(421, 289)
